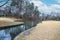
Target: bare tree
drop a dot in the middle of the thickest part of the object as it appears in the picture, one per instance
(4, 3)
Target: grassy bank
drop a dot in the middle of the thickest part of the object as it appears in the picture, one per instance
(4, 21)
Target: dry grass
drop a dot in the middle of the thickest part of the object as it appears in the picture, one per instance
(48, 30)
(4, 21)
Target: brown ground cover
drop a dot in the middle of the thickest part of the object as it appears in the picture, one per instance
(47, 30)
(6, 21)
(3, 23)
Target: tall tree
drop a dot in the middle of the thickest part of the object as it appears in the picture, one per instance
(36, 12)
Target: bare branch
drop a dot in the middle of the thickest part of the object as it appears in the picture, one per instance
(4, 3)
(1, 1)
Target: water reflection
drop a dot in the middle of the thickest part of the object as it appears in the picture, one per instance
(11, 33)
(4, 35)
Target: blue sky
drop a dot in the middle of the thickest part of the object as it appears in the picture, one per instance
(49, 2)
(3, 1)
(47, 6)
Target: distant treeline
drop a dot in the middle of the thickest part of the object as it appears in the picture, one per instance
(52, 16)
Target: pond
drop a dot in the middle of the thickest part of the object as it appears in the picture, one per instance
(11, 33)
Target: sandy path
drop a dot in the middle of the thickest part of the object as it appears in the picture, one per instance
(48, 30)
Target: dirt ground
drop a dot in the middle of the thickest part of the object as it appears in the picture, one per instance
(47, 30)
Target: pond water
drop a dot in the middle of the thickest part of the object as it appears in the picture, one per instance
(11, 33)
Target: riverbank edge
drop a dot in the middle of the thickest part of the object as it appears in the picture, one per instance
(9, 26)
(22, 35)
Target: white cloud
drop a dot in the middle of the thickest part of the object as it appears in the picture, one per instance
(37, 3)
(55, 8)
(58, 1)
(41, 6)
(46, 9)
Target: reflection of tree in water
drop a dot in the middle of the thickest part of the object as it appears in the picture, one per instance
(30, 24)
(11, 33)
(4, 35)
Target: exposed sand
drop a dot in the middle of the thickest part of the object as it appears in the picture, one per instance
(48, 30)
